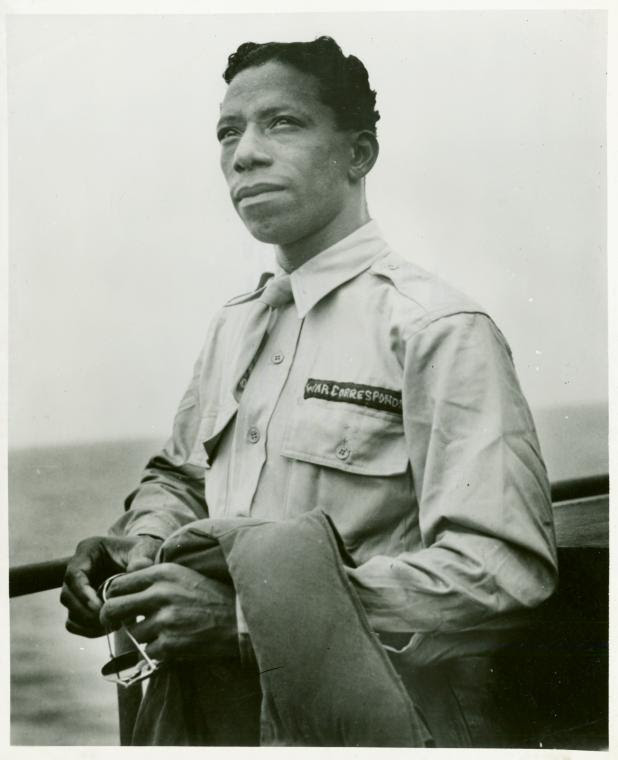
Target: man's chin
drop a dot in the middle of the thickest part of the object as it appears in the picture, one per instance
(270, 231)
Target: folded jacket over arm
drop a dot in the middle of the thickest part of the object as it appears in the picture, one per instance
(324, 678)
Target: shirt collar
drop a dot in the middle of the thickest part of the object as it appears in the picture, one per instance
(332, 267)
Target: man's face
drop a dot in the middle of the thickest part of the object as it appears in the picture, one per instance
(282, 155)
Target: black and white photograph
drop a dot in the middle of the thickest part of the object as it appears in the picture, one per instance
(307, 348)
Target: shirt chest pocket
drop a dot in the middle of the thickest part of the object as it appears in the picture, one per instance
(362, 442)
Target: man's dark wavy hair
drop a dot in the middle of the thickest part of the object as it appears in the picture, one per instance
(343, 80)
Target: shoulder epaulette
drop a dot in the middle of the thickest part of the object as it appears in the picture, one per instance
(430, 293)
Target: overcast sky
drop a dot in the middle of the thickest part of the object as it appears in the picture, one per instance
(123, 241)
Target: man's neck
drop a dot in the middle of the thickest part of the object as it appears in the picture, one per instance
(290, 257)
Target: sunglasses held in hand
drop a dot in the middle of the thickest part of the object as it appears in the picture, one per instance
(129, 667)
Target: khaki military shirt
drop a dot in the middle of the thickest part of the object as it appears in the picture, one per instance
(389, 400)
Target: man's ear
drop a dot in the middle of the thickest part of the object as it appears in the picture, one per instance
(365, 149)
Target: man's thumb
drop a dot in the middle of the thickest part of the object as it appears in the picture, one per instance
(142, 555)
(138, 563)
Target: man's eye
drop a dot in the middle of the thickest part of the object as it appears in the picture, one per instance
(226, 133)
(283, 121)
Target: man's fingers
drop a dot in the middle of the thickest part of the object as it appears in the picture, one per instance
(78, 612)
(132, 583)
(140, 580)
(75, 606)
(143, 553)
(97, 558)
(79, 583)
(132, 594)
(123, 608)
(138, 563)
(81, 630)
(156, 651)
(81, 620)
(146, 630)
(79, 573)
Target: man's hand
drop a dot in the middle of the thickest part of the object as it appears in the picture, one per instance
(95, 559)
(186, 615)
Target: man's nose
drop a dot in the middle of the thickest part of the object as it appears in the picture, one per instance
(251, 150)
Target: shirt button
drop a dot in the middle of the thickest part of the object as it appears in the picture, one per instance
(277, 358)
(393, 266)
(253, 435)
(343, 452)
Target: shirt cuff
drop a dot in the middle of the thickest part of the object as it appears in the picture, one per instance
(150, 524)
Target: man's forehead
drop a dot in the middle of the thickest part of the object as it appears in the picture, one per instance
(272, 85)
(265, 105)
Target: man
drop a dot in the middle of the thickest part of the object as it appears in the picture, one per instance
(355, 399)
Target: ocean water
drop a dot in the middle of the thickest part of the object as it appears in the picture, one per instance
(60, 495)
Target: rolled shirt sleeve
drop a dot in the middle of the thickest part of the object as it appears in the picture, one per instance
(484, 501)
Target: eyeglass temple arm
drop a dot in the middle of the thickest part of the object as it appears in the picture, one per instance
(140, 647)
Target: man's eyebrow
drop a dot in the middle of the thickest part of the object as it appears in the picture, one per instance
(227, 119)
(272, 110)
(266, 112)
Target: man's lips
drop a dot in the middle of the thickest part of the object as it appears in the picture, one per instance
(250, 191)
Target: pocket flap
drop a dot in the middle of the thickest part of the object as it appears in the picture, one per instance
(210, 430)
(358, 441)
